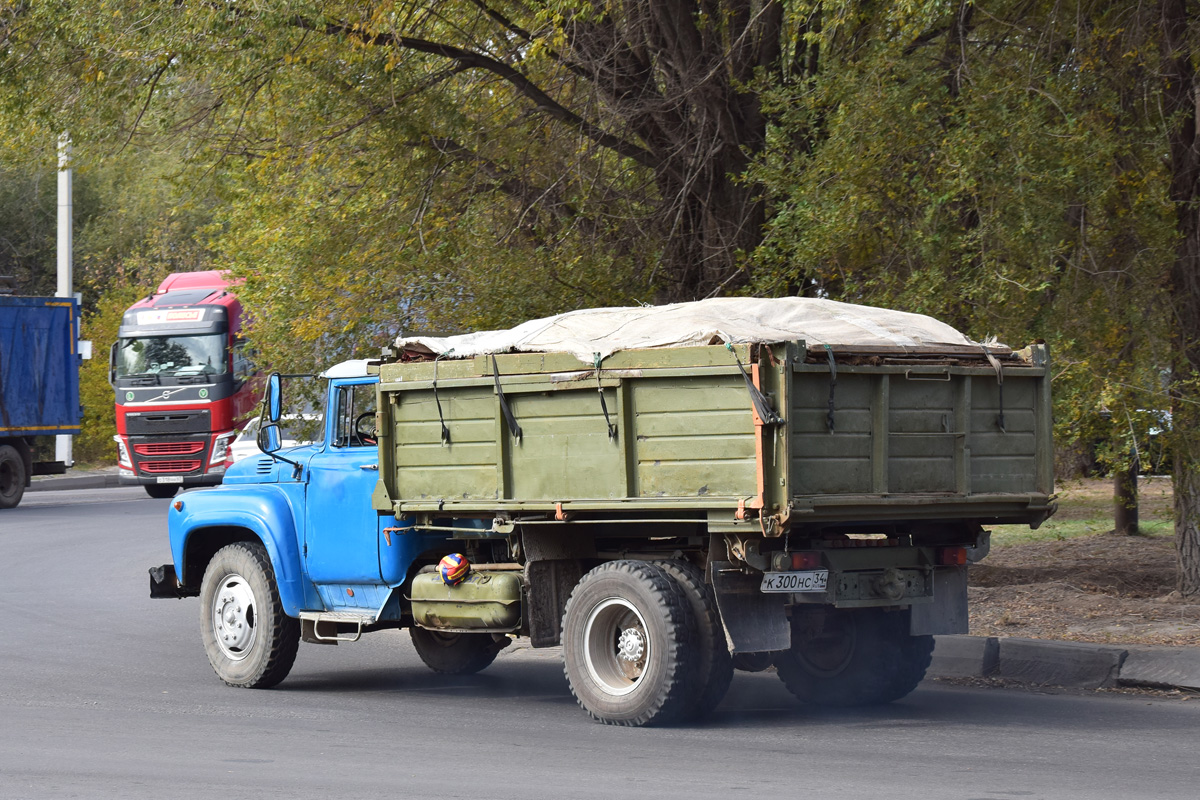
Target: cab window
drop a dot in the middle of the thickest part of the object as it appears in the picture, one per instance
(354, 419)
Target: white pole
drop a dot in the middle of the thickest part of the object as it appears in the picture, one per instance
(66, 278)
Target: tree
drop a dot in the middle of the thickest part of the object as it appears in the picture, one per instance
(1179, 90)
(1003, 171)
(558, 128)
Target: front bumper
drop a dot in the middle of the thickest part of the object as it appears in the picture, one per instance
(165, 584)
(211, 478)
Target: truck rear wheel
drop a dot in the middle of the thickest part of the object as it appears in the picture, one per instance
(12, 476)
(853, 657)
(250, 642)
(714, 664)
(456, 653)
(628, 648)
(160, 491)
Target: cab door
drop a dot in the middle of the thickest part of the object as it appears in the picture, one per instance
(342, 530)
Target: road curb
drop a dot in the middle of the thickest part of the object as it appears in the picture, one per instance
(1177, 667)
(1049, 662)
(91, 481)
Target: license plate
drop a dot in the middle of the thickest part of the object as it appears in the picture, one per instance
(170, 479)
(807, 581)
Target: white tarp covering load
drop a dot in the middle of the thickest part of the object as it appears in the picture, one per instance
(589, 333)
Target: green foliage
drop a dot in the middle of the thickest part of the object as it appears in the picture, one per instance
(468, 163)
(372, 168)
(1000, 171)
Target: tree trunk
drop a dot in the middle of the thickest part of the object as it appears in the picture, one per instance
(1125, 500)
(1187, 524)
(1179, 100)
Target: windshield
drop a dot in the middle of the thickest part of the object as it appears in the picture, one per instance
(174, 356)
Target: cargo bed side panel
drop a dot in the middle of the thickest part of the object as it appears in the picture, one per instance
(944, 440)
(682, 436)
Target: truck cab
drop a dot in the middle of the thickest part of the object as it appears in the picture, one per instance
(289, 546)
(184, 383)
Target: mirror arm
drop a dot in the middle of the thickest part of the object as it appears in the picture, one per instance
(297, 469)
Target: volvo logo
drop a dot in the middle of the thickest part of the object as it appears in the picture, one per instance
(166, 395)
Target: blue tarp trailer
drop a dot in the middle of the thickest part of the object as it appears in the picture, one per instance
(39, 385)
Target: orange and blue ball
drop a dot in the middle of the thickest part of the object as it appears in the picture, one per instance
(454, 568)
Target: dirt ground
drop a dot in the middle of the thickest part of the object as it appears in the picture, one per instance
(1093, 588)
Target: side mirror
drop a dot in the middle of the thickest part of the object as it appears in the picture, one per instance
(112, 365)
(274, 398)
(269, 439)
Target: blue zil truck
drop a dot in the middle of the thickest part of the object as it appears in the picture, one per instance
(39, 386)
(730, 484)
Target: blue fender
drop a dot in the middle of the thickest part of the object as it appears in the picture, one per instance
(262, 509)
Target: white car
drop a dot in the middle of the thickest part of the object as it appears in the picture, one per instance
(246, 443)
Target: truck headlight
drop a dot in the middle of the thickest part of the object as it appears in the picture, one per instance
(221, 448)
(122, 453)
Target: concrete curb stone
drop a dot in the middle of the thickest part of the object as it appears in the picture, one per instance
(1177, 667)
(1081, 665)
(964, 656)
(1078, 665)
(87, 480)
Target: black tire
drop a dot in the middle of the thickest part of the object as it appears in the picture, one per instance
(857, 657)
(161, 491)
(250, 642)
(456, 653)
(12, 476)
(714, 670)
(629, 651)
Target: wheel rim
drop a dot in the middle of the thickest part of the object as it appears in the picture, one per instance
(235, 617)
(617, 648)
(441, 638)
(829, 652)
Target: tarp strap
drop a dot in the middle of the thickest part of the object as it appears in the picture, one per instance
(612, 429)
(441, 419)
(761, 406)
(513, 427)
(996, 365)
(832, 387)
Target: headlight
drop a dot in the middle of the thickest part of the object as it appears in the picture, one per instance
(122, 453)
(221, 447)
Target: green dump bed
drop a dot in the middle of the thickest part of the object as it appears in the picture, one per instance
(874, 436)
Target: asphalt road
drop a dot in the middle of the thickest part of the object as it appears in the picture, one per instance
(106, 693)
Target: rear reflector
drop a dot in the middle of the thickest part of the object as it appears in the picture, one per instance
(806, 560)
(951, 556)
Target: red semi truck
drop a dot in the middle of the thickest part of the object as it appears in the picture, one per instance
(184, 383)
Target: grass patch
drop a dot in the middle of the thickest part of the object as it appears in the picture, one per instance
(1051, 531)
(1085, 509)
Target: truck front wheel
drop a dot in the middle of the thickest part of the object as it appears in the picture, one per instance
(628, 647)
(853, 657)
(250, 642)
(161, 490)
(456, 653)
(12, 476)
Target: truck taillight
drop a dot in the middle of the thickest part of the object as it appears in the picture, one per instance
(951, 556)
(123, 458)
(221, 448)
